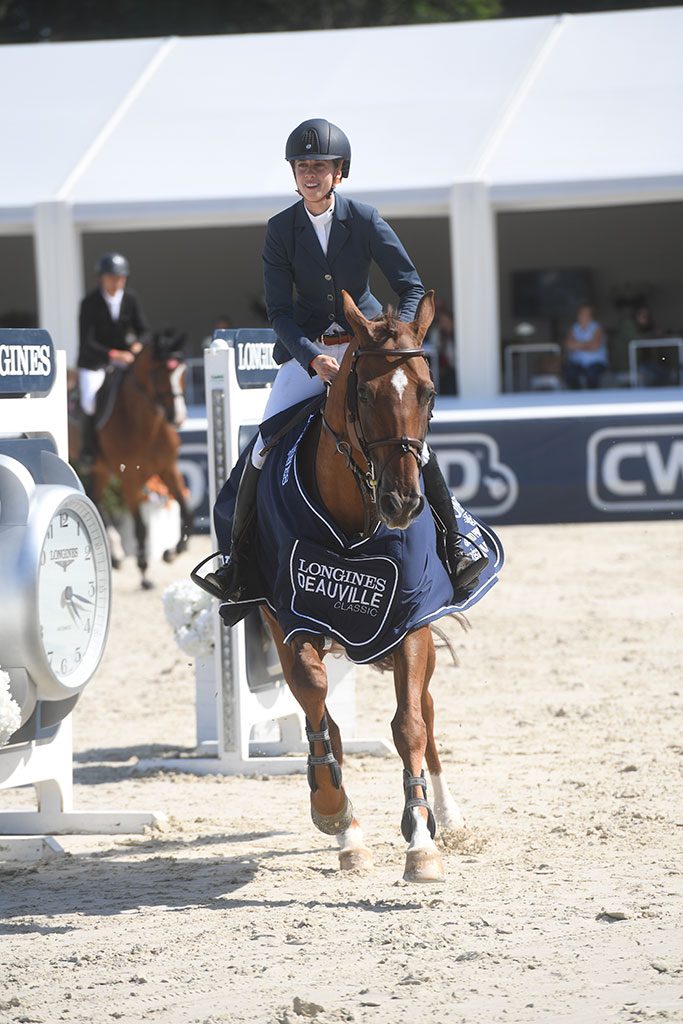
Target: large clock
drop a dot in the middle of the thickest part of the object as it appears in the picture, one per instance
(73, 592)
(55, 584)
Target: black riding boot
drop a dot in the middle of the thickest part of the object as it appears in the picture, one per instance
(231, 578)
(88, 452)
(462, 570)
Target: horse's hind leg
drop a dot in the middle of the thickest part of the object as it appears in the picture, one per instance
(412, 661)
(95, 485)
(331, 810)
(446, 810)
(173, 479)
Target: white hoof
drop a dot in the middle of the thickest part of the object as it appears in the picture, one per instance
(353, 853)
(356, 860)
(424, 866)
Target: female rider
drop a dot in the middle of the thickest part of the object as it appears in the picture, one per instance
(312, 251)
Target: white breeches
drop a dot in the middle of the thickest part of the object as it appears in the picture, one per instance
(291, 385)
(89, 383)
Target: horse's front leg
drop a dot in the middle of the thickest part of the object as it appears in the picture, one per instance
(141, 541)
(331, 810)
(446, 810)
(411, 663)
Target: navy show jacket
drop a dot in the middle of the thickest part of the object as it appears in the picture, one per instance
(303, 286)
(99, 333)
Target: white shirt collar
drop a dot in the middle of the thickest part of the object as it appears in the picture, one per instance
(321, 218)
(113, 302)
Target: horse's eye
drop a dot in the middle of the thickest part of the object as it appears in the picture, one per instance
(427, 397)
(363, 393)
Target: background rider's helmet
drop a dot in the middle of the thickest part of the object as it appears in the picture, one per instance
(112, 263)
(318, 139)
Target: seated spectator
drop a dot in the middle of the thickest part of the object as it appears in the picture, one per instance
(585, 351)
(636, 325)
(441, 337)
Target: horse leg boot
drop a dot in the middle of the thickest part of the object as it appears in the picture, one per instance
(231, 578)
(462, 570)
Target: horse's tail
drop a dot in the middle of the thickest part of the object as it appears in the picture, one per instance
(386, 664)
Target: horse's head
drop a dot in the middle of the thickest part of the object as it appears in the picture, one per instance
(168, 373)
(389, 398)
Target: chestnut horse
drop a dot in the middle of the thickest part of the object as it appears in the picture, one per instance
(140, 438)
(366, 461)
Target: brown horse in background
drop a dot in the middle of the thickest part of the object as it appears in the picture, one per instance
(365, 462)
(140, 438)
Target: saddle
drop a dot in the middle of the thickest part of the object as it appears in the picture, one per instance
(107, 395)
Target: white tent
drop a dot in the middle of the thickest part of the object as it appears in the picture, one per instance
(460, 120)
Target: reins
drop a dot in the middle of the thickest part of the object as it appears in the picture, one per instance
(367, 481)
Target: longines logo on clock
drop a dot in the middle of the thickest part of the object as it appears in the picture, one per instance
(64, 557)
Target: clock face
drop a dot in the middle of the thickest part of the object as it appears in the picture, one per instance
(74, 592)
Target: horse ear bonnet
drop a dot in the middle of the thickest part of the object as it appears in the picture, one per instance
(319, 139)
(168, 342)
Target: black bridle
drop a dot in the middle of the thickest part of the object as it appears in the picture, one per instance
(159, 371)
(368, 482)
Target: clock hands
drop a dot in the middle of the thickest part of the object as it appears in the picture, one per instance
(68, 601)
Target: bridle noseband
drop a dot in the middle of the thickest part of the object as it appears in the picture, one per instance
(369, 482)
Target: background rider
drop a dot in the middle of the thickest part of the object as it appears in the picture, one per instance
(112, 330)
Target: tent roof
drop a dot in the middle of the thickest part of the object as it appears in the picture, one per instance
(604, 107)
(161, 130)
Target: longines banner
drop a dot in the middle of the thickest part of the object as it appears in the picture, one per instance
(27, 362)
(562, 470)
(569, 469)
(254, 363)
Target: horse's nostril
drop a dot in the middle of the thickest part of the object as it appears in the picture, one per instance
(390, 503)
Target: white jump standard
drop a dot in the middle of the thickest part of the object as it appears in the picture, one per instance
(55, 592)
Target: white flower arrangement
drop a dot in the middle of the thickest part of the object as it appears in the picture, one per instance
(10, 712)
(189, 612)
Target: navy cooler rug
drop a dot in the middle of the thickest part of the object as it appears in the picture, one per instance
(367, 594)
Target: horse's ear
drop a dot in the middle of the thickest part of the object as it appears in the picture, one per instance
(424, 315)
(354, 316)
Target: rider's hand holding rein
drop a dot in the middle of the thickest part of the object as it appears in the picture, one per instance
(121, 357)
(326, 367)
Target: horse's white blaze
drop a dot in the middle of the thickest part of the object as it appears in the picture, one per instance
(399, 382)
(446, 810)
(179, 407)
(421, 838)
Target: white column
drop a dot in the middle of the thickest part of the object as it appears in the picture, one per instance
(474, 261)
(59, 273)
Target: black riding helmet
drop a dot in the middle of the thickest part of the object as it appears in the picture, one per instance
(318, 139)
(112, 263)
